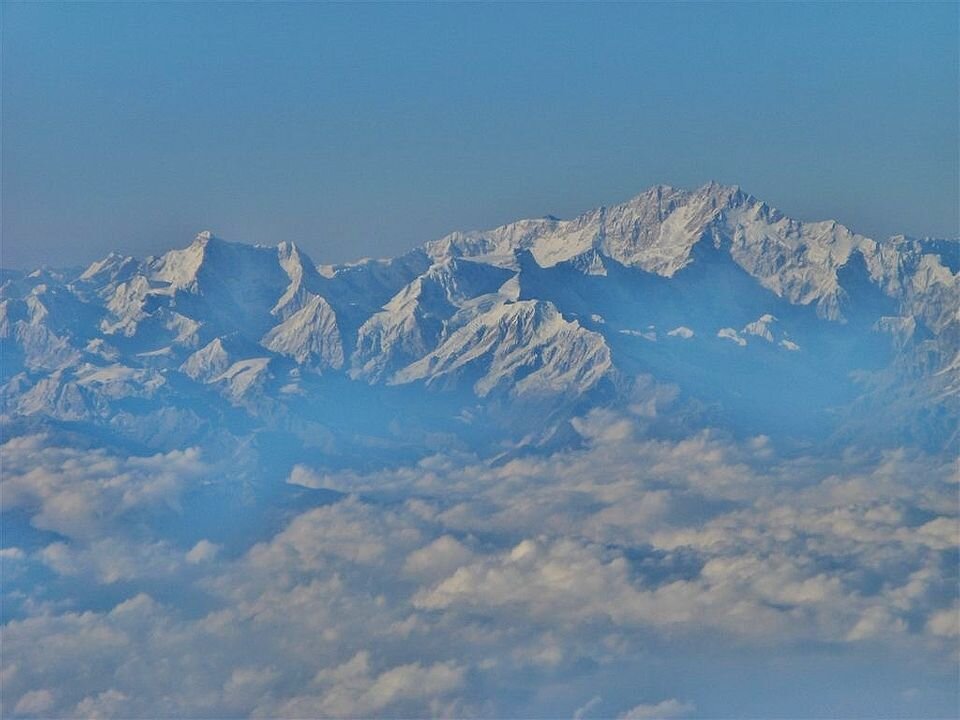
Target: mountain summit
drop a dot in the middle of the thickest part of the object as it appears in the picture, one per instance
(740, 315)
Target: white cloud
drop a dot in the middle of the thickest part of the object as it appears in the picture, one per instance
(203, 551)
(731, 334)
(946, 622)
(681, 332)
(111, 560)
(104, 705)
(305, 477)
(79, 493)
(352, 689)
(462, 587)
(876, 622)
(34, 702)
(442, 556)
(663, 710)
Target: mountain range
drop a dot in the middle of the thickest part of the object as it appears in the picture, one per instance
(688, 308)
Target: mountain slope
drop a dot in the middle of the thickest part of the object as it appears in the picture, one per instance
(412, 323)
(522, 348)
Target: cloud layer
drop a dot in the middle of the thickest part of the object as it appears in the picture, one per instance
(629, 578)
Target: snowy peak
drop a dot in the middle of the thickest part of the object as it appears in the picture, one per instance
(304, 279)
(179, 268)
(657, 229)
(228, 287)
(494, 247)
(413, 321)
(451, 281)
(208, 362)
(106, 273)
(244, 378)
(589, 263)
(654, 230)
(210, 264)
(310, 336)
(523, 348)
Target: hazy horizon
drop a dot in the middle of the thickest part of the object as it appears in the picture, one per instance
(180, 242)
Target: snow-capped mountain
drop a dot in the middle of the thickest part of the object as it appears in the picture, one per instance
(753, 320)
(412, 323)
(521, 347)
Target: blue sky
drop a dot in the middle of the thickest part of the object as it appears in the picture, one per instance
(365, 130)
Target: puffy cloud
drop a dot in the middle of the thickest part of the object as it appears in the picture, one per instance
(106, 704)
(442, 556)
(34, 702)
(946, 622)
(349, 531)
(353, 690)
(460, 586)
(75, 652)
(80, 493)
(203, 551)
(111, 560)
(305, 477)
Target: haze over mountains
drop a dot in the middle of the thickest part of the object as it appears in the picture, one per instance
(707, 305)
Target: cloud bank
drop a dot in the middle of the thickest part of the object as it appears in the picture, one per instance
(632, 577)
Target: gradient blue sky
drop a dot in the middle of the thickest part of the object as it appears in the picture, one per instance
(366, 129)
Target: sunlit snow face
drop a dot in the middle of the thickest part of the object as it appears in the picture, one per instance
(632, 577)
